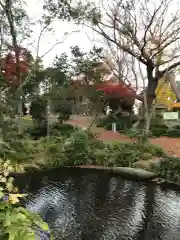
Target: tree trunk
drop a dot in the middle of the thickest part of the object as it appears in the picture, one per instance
(152, 84)
(20, 111)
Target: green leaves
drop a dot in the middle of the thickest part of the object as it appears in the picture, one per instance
(17, 223)
(68, 10)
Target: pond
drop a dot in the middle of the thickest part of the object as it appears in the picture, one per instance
(89, 204)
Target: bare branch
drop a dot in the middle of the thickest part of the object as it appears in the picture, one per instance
(60, 42)
(145, 31)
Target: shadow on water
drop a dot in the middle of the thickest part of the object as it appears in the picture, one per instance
(95, 205)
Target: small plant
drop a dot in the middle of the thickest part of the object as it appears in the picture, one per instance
(169, 169)
(134, 132)
(126, 154)
(16, 222)
(64, 129)
(38, 130)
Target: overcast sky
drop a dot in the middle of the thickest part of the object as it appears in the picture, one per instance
(49, 39)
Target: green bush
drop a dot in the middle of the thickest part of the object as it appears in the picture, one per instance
(22, 150)
(63, 129)
(176, 127)
(76, 149)
(64, 110)
(125, 154)
(173, 133)
(83, 148)
(159, 131)
(150, 148)
(157, 122)
(106, 120)
(159, 116)
(158, 127)
(133, 132)
(169, 169)
(37, 130)
(122, 122)
(16, 222)
(38, 109)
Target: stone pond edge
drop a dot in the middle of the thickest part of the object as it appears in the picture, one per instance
(127, 172)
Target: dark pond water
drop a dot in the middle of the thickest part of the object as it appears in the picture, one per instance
(94, 205)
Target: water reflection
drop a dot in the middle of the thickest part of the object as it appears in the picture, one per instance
(89, 205)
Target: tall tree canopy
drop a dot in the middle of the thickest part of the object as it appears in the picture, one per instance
(148, 31)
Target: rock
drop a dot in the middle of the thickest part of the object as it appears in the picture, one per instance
(126, 172)
(137, 173)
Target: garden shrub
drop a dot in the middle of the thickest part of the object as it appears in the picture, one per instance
(157, 122)
(16, 222)
(122, 122)
(9, 129)
(38, 109)
(105, 121)
(63, 129)
(172, 132)
(95, 143)
(80, 149)
(159, 131)
(150, 148)
(133, 132)
(125, 154)
(158, 127)
(37, 130)
(176, 126)
(21, 150)
(64, 110)
(159, 116)
(169, 169)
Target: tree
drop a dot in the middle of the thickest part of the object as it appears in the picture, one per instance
(15, 27)
(67, 10)
(144, 30)
(79, 72)
(14, 16)
(9, 65)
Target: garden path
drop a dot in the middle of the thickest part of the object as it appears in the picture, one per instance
(170, 145)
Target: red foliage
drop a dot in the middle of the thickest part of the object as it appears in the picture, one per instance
(116, 89)
(10, 68)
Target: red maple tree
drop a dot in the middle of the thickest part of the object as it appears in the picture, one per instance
(11, 68)
(116, 89)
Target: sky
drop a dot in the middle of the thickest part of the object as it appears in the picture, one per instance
(81, 38)
(85, 39)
